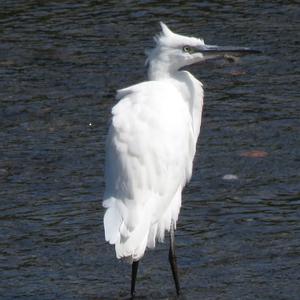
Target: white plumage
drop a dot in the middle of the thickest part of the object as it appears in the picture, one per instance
(150, 150)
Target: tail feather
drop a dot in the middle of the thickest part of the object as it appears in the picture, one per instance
(131, 237)
(152, 236)
(112, 221)
(135, 243)
(130, 242)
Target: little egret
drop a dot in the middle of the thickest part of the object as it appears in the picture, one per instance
(151, 145)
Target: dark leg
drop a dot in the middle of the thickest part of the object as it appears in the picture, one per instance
(135, 265)
(172, 259)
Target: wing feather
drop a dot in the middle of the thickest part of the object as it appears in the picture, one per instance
(148, 161)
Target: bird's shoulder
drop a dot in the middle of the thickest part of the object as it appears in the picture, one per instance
(147, 89)
(150, 98)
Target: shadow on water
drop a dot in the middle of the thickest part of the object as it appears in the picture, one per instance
(238, 233)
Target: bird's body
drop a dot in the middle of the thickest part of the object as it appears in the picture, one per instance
(151, 146)
(150, 151)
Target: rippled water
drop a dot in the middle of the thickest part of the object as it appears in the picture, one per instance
(61, 62)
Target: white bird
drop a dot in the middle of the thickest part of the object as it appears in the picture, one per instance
(151, 145)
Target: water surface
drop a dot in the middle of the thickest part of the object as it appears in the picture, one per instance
(61, 62)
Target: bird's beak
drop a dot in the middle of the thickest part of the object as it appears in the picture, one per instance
(223, 50)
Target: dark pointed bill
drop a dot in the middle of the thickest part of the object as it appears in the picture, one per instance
(212, 49)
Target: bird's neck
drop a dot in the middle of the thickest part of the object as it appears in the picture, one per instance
(160, 69)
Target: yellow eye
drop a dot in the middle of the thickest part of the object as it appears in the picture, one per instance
(187, 49)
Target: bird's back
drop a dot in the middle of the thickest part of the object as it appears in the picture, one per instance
(150, 148)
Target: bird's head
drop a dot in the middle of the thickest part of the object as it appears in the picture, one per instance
(174, 51)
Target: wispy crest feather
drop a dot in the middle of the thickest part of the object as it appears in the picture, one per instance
(169, 39)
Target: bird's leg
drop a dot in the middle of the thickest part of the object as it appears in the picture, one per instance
(172, 259)
(134, 270)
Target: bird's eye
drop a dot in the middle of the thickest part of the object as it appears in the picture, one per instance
(187, 49)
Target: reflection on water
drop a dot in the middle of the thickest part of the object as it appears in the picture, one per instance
(60, 65)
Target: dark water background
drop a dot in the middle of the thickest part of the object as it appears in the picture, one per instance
(60, 64)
